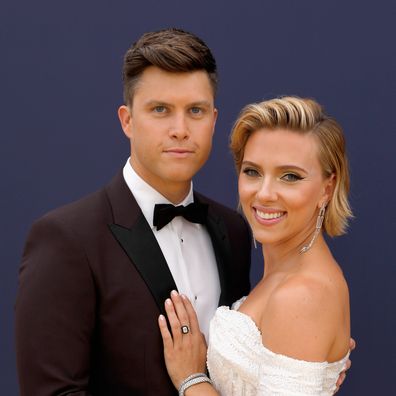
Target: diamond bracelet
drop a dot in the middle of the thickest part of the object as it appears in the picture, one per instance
(191, 380)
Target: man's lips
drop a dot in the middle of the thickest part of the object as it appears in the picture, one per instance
(178, 150)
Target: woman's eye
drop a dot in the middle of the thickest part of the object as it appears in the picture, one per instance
(291, 177)
(250, 172)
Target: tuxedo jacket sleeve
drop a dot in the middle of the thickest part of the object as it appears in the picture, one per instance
(91, 286)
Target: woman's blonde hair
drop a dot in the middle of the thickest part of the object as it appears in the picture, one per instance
(302, 116)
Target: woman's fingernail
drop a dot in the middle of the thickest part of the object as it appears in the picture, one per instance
(161, 318)
(168, 301)
(184, 297)
(174, 293)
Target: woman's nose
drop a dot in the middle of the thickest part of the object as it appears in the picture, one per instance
(267, 191)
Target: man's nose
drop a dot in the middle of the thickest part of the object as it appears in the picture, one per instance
(179, 127)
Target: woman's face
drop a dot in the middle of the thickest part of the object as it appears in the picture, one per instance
(281, 185)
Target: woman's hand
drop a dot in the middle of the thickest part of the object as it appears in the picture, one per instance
(185, 354)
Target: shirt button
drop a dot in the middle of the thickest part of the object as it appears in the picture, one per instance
(195, 298)
(182, 240)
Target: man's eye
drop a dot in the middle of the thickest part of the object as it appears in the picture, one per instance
(250, 172)
(291, 177)
(159, 109)
(196, 110)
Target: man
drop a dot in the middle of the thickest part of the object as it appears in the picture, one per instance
(95, 273)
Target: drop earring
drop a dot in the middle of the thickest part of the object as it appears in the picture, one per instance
(319, 223)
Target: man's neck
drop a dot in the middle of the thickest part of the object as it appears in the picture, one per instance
(174, 195)
(175, 192)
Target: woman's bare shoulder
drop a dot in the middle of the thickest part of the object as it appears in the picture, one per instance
(302, 315)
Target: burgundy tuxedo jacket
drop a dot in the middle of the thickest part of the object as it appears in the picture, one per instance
(92, 283)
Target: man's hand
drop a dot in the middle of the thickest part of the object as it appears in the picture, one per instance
(341, 378)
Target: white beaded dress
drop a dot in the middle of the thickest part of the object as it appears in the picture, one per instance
(240, 365)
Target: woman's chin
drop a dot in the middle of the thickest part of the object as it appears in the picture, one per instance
(267, 240)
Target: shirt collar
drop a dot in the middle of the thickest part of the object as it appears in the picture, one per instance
(146, 196)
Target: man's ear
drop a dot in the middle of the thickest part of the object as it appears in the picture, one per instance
(215, 114)
(125, 117)
(328, 190)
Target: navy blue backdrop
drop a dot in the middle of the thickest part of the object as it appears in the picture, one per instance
(60, 138)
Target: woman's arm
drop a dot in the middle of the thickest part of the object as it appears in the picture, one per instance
(184, 352)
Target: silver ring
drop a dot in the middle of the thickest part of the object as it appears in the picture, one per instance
(185, 329)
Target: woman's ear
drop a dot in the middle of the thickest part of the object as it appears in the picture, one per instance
(328, 190)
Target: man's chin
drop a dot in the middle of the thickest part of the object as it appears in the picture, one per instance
(179, 178)
(179, 174)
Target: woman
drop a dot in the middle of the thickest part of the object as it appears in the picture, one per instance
(290, 335)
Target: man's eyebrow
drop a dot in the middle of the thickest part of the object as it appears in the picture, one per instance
(201, 103)
(157, 103)
(154, 102)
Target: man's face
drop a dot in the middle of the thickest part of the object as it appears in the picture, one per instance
(170, 125)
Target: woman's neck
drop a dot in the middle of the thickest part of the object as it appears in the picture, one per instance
(286, 257)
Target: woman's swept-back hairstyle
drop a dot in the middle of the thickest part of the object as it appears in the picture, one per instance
(172, 50)
(302, 116)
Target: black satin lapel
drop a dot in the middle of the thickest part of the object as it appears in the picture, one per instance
(140, 245)
(221, 245)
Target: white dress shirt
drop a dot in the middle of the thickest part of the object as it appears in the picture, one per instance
(187, 249)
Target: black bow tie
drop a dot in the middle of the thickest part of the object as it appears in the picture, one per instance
(165, 213)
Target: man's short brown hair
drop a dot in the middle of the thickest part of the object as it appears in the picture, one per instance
(172, 50)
